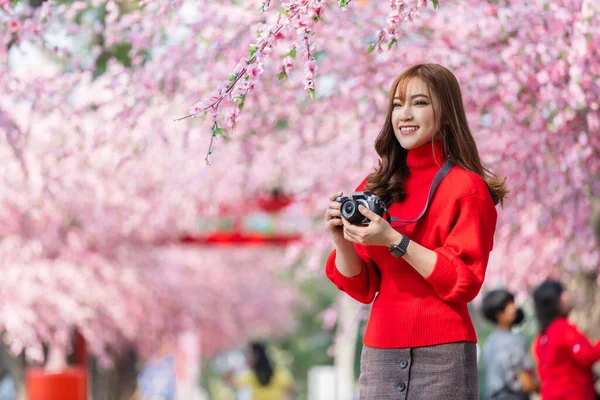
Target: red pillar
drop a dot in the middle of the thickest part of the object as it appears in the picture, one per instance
(80, 355)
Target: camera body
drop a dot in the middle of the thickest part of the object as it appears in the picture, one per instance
(349, 208)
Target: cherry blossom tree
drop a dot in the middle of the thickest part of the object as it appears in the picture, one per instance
(94, 211)
(100, 177)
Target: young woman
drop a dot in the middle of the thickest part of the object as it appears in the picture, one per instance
(564, 356)
(265, 381)
(420, 341)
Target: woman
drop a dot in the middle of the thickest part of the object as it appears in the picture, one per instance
(8, 390)
(420, 341)
(564, 356)
(264, 381)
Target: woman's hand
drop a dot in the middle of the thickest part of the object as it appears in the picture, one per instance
(378, 233)
(333, 219)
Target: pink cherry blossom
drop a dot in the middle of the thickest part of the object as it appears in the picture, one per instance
(99, 184)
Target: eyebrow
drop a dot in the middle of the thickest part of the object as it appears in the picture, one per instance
(413, 97)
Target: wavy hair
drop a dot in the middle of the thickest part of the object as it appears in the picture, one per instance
(458, 143)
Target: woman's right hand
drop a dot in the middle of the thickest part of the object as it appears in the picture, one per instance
(333, 219)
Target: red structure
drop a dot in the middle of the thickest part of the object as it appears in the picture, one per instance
(235, 237)
(70, 384)
(271, 204)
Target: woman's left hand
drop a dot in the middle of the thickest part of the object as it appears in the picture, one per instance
(378, 233)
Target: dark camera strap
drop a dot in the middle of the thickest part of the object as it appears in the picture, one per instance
(437, 179)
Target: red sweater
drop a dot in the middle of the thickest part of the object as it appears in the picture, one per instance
(564, 361)
(412, 311)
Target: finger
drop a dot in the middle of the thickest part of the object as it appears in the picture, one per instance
(334, 223)
(335, 196)
(329, 214)
(367, 213)
(354, 237)
(349, 237)
(335, 205)
(352, 229)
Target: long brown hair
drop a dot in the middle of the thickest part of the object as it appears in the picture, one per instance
(459, 146)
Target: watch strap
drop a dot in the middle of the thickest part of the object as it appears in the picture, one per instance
(400, 249)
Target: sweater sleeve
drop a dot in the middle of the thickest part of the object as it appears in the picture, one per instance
(584, 353)
(362, 287)
(462, 259)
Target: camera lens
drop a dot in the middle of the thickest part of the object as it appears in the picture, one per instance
(348, 209)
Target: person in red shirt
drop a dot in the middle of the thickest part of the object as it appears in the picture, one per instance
(564, 356)
(420, 275)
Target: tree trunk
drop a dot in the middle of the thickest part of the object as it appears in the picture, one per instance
(586, 289)
(116, 383)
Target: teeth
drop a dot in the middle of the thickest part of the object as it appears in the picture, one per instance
(408, 128)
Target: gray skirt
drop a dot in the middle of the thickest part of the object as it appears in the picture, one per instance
(445, 371)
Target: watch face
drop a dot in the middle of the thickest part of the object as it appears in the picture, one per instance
(396, 252)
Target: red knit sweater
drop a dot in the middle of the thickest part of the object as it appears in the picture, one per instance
(409, 310)
(564, 360)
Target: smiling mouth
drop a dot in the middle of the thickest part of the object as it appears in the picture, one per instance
(408, 129)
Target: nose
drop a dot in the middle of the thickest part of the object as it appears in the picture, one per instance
(405, 114)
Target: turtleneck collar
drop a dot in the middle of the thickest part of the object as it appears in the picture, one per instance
(430, 155)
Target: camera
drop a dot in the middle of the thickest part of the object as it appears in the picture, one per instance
(349, 208)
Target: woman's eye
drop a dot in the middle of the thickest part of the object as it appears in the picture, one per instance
(397, 105)
(421, 103)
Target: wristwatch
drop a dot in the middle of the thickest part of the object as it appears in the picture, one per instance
(400, 249)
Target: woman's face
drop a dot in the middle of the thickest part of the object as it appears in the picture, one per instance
(413, 119)
(567, 302)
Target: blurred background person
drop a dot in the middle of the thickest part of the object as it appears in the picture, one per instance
(508, 366)
(264, 380)
(563, 354)
(8, 389)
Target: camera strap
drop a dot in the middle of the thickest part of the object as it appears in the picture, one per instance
(437, 179)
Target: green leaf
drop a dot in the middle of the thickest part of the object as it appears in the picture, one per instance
(392, 42)
(436, 3)
(371, 48)
(101, 64)
(219, 131)
(316, 18)
(232, 78)
(292, 53)
(252, 52)
(239, 100)
(312, 93)
(281, 76)
(343, 3)
(121, 53)
(282, 123)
